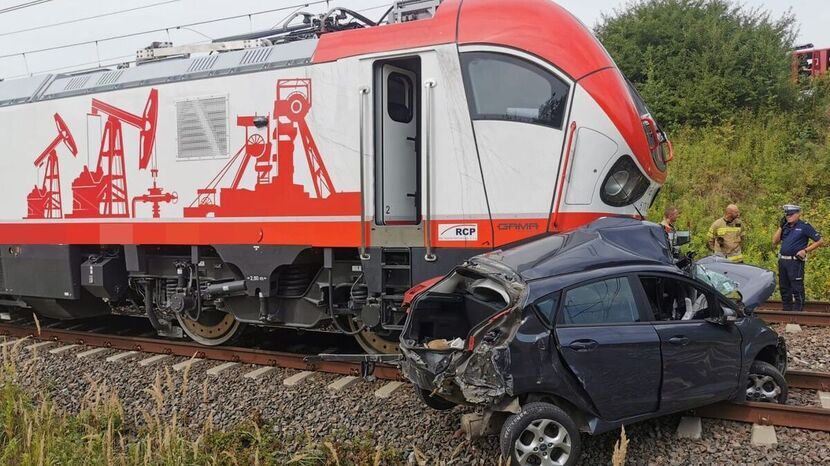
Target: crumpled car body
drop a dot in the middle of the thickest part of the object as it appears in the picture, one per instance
(600, 320)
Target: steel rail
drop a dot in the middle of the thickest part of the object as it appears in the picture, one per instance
(799, 417)
(809, 306)
(818, 319)
(808, 380)
(189, 349)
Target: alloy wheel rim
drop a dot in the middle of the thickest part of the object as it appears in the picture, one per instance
(761, 387)
(544, 442)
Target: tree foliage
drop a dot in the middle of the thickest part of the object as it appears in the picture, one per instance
(760, 164)
(697, 61)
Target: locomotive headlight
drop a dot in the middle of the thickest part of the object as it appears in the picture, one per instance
(625, 183)
(616, 183)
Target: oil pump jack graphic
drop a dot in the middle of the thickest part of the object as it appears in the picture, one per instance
(45, 200)
(103, 192)
(275, 194)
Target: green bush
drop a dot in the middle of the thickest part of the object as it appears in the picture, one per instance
(697, 61)
(760, 162)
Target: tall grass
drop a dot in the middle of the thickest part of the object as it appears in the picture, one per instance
(36, 432)
(759, 162)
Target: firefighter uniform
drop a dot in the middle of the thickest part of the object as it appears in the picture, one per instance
(794, 238)
(725, 238)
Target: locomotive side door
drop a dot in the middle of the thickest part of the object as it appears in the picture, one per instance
(397, 200)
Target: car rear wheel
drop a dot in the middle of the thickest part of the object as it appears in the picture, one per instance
(541, 434)
(766, 383)
(434, 401)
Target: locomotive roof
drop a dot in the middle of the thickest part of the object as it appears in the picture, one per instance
(46, 87)
(563, 41)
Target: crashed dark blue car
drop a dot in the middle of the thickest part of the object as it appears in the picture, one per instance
(590, 330)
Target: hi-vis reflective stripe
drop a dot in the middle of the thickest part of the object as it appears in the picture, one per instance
(724, 230)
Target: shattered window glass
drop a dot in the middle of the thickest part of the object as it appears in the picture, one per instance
(605, 302)
(718, 281)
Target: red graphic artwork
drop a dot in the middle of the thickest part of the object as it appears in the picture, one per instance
(45, 201)
(103, 192)
(277, 194)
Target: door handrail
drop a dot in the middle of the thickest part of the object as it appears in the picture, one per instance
(429, 85)
(364, 256)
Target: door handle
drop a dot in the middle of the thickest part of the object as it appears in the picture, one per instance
(679, 340)
(583, 345)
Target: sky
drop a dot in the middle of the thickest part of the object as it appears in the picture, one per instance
(20, 55)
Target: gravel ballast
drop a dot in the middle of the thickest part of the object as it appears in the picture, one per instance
(809, 349)
(312, 411)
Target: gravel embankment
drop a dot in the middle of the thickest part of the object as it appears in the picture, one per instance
(400, 422)
(809, 349)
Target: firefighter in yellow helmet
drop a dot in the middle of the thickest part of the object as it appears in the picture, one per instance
(726, 235)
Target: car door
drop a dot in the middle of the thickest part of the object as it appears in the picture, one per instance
(701, 359)
(604, 336)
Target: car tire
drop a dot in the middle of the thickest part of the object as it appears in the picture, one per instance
(434, 401)
(520, 435)
(766, 383)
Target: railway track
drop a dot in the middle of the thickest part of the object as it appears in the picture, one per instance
(812, 418)
(816, 313)
(189, 349)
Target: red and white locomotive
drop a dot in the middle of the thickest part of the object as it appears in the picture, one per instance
(309, 175)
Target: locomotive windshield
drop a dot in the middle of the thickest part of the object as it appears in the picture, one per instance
(502, 87)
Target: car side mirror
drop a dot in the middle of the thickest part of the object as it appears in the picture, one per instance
(682, 237)
(727, 317)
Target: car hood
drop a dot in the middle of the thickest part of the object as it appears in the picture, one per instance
(607, 242)
(755, 284)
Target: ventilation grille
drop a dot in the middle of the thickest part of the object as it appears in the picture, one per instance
(255, 56)
(109, 78)
(202, 128)
(202, 63)
(77, 82)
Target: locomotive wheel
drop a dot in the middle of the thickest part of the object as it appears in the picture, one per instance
(374, 342)
(212, 329)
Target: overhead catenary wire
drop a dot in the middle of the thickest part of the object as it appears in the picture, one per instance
(86, 18)
(150, 31)
(21, 6)
(119, 60)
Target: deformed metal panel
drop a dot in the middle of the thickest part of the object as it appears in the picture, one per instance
(182, 69)
(18, 91)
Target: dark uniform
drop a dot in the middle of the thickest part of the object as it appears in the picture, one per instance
(794, 238)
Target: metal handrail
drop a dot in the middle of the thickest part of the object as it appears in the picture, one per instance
(364, 91)
(429, 85)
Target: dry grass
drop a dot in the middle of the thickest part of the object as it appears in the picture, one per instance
(620, 449)
(36, 432)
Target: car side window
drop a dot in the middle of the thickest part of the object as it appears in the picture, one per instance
(609, 301)
(673, 299)
(547, 307)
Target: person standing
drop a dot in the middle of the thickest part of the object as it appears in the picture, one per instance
(726, 235)
(670, 215)
(794, 236)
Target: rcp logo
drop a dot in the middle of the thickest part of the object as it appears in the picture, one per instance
(458, 232)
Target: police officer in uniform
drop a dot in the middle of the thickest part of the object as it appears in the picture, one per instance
(794, 236)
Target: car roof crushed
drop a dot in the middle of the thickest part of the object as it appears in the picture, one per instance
(607, 242)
